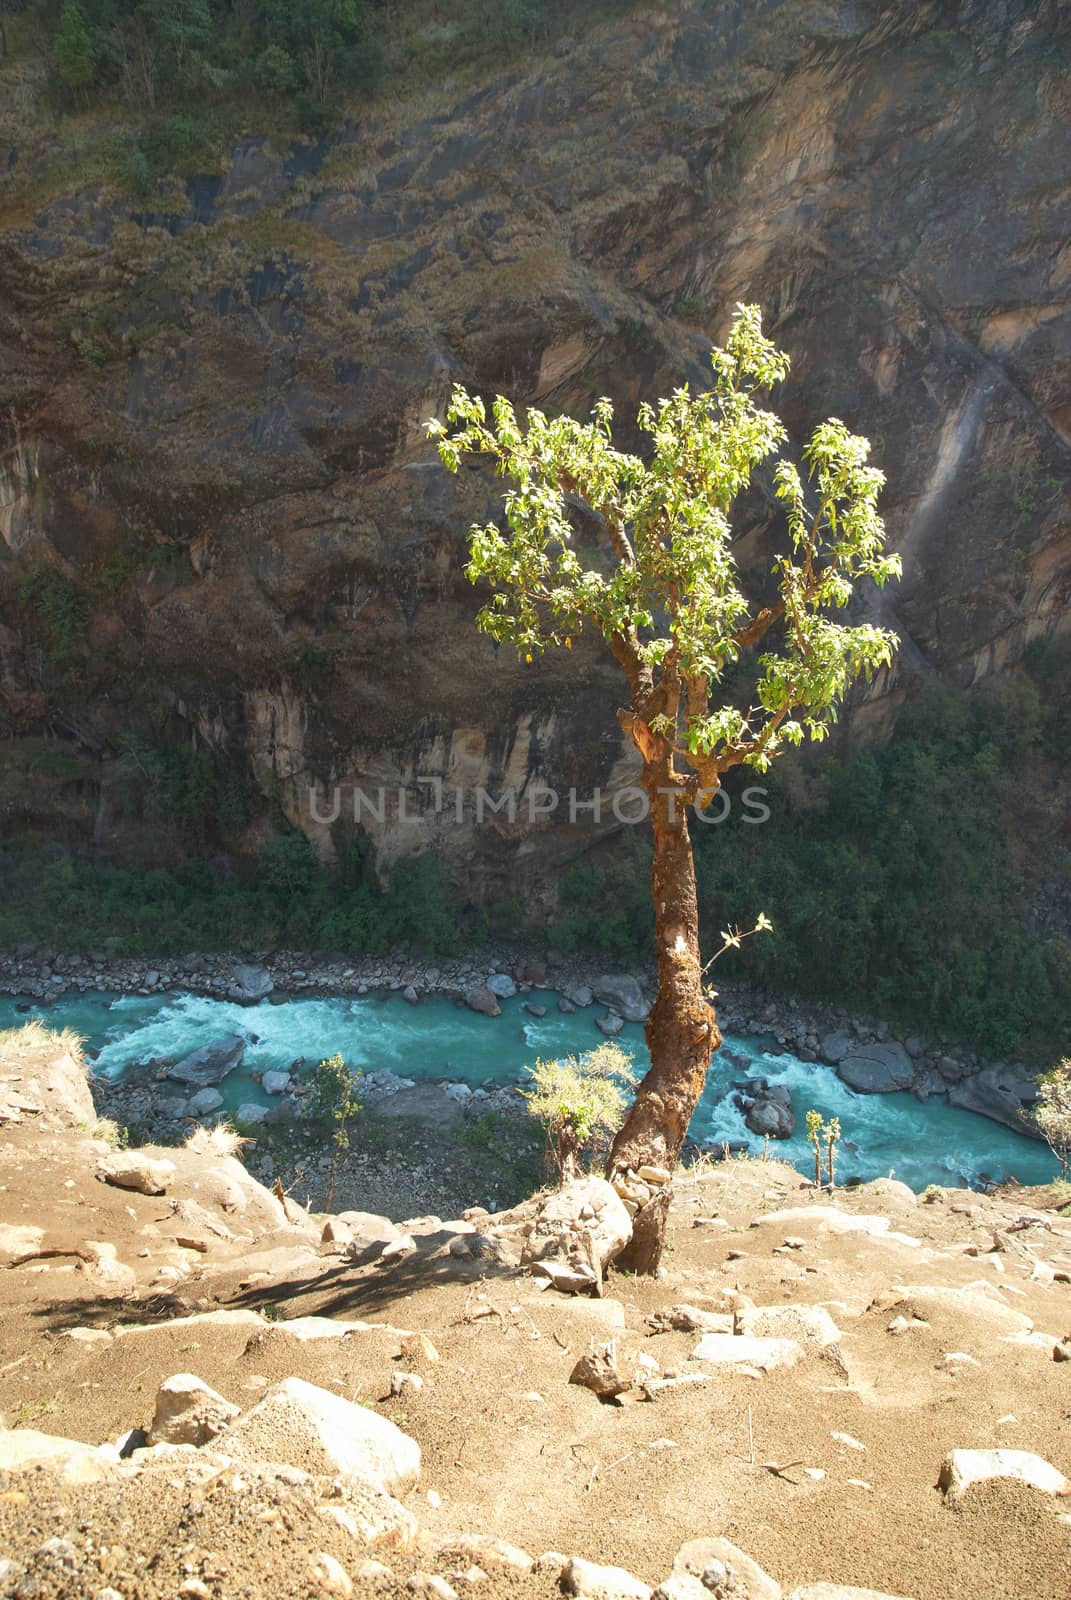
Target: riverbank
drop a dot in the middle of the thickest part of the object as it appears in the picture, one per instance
(869, 1054)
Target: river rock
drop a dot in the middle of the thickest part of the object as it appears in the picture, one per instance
(579, 996)
(772, 1118)
(210, 1064)
(427, 1102)
(610, 1024)
(483, 1000)
(249, 1114)
(502, 985)
(622, 994)
(302, 1425)
(999, 1093)
(275, 1082)
(835, 1046)
(250, 984)
(534, 1009)
(204, 1102)
(877, 1068)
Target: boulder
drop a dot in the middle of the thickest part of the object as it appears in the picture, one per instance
(483, 1000)
(250, 984)
(426, 1102)
(592, 1582)
(502, 985)
(840, 1591)
(210, 1064)
(301, 1425)
(189, 1412)
(534, 1009)
(584, 1223)
(771, 1118)
(23, 1449)
(807, 1324)
(130, 1169)
(249, 1114)
(50, 1085)
(730, 1349)
(877, 1068)
(579, 996)
(835, 1046)
(999, 1093)
(488, 1552)
(622, 994)
(275, 1082)
(720, 1565)
(610, 1024)
(962, 1468)
(204, 1102)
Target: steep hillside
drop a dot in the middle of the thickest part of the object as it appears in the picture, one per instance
(219, 513)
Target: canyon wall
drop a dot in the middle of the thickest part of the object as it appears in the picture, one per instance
(213, 401)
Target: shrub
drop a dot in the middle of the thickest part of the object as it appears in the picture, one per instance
(1051, 1113)
(581, 1102)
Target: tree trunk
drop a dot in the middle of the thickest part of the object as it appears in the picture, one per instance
(682, 1031)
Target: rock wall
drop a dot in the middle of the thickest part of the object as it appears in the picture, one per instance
(215, 399)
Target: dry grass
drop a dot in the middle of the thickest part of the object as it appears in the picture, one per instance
(34, 1036)
(218, 1142)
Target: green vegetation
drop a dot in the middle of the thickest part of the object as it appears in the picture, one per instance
(333, 1099)
(190, 73)
(285, 896)
(1052, 1113)
(59, 612)
(581, 1101)
(889, 873)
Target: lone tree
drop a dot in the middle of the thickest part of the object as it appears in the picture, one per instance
(661, 585)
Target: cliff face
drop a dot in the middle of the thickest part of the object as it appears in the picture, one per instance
(219, 400)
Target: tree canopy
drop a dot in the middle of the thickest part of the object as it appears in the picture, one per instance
(662, 585)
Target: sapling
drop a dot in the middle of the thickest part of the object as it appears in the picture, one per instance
(334, 1099)
(831, 1133)
(814, 1136)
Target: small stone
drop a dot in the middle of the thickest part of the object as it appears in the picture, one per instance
(373, 1572)
(402, 1381)
(489, 1552)
(598, 1371)
(848, 1442)
(329, 1575)
(418, 1347)
(428, 1583)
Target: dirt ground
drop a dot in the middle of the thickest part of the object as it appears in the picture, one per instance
(827, 1470)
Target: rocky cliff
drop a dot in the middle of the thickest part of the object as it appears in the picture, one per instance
(213, 398)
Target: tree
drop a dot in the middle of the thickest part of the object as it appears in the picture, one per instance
(660, 584)
(76, 59)
(333, 1100)
(580, 1100)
